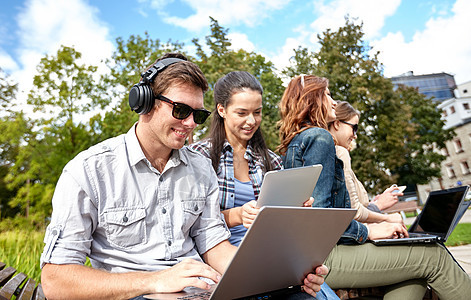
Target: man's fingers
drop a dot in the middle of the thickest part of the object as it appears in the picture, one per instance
(322, 270)
(195, 269)
(308, 290)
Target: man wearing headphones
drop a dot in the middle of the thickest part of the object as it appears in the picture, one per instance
(141, 206)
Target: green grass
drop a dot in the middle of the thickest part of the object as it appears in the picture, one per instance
(22, 250)
(460, 236)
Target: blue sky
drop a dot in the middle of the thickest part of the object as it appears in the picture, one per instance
(424, 36)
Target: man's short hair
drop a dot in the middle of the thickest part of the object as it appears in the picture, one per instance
(184, 72)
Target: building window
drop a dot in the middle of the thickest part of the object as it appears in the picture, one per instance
(458, 146)
(450, 171)
(464, 167)
(452, 109)
(466, 106)
(445, 152)
(465, 91)
(444, 114)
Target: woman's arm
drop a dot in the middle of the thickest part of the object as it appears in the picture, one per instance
(317, 147)
(359, 196)
(351, 182)
(241, 215)
(314, 146)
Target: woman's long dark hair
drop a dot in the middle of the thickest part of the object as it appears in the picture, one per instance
(225, 88)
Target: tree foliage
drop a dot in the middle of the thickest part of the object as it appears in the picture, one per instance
(222, 60)
(128, 61)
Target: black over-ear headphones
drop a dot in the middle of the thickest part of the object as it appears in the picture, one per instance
(141, 96)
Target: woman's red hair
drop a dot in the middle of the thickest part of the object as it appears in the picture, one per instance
(301, 107)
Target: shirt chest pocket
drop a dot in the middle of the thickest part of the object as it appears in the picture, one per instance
(125, 227)
(192, 209)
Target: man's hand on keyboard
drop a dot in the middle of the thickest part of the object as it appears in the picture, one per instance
(182, 275)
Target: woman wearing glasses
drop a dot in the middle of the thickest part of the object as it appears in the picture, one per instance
(404, 270)
(344, 131)
(239, 154)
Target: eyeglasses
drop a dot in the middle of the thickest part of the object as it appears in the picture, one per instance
(181, 111)
(354, 126)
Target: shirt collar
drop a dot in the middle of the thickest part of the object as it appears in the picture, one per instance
(133, 147)
(136, 154)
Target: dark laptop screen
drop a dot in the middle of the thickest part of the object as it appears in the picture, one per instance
(439, 211)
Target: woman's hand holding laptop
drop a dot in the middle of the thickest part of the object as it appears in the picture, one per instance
(249, 212)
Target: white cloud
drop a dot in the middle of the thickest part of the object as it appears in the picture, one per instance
(443, 46)
(7, 63)
(248, 12)
(282, 59)
(240, 41)
(45, 25)
(331, 14)
(371, 12)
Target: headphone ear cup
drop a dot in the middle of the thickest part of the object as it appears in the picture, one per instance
(141, 98)
(148, 97)
(135, 98)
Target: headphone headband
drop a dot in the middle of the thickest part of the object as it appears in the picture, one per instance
(141, 96)
(149, 75)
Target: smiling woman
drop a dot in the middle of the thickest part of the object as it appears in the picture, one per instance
(237, 149)
(344, 132)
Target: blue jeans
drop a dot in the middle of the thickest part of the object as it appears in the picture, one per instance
(326, 293)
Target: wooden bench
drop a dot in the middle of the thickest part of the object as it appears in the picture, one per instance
(402, 207)
(18, 285)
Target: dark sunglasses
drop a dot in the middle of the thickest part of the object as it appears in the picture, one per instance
(181, 111)
(354, 126)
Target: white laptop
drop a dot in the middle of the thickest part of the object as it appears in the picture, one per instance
(280, 248)
(288, 187)
(440, 215)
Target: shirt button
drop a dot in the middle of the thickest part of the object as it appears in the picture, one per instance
(161, 178)
(164, 211)
(196, 207)
(125, 219)
(169, 243)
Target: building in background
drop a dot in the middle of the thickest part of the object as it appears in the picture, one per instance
(456, 168)
(440, 86)
(464, 89)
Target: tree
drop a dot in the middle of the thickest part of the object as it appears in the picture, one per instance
(399, 129)
(129, 60)
(62, 91)
(222, 60)
(8, 150)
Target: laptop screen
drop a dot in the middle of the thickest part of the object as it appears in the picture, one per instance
(439, 211)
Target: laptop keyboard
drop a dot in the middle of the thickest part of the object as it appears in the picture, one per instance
(203, 295)
(414, 234)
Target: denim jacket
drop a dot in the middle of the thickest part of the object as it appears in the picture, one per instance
(316, 146)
